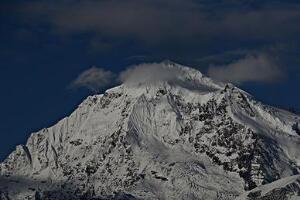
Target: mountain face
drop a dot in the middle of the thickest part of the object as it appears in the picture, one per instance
(190, 138)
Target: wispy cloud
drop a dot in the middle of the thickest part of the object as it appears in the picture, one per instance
(252, 68)
(94, 79)
(149, 73)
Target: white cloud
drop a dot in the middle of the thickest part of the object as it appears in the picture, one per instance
(252, 68)
(94, 79)
(149, 73)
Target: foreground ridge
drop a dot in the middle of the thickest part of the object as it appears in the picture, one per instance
(185, 138)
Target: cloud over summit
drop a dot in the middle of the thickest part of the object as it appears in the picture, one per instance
(149, 73)
(251, 68)
(96, 79)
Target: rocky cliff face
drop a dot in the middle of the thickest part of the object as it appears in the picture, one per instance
(192, 138)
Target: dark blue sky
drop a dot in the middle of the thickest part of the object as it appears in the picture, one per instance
(46, 45)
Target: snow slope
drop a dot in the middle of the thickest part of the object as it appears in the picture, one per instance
(285, 188)
(191, 138)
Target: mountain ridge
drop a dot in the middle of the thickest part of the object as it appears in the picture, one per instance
(184, 138)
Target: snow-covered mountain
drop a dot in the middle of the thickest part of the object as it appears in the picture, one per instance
(186, 138)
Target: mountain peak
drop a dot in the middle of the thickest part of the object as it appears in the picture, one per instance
(167, 73)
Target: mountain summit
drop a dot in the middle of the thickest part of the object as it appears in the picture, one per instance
(171, 133)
